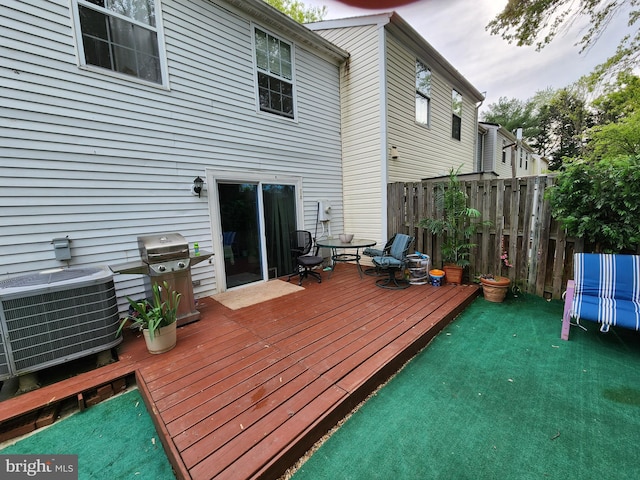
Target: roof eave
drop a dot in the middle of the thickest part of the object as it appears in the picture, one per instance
(279, 22)
(406, 33)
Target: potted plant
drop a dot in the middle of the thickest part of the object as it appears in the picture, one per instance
(156, 318)
(455, 225)
(494, 287)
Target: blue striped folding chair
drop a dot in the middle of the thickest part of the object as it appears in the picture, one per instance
(605, 289)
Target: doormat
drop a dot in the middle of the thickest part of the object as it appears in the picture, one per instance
(257, 293)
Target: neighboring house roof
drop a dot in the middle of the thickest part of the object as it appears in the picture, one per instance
(278, 21)
(411, 39)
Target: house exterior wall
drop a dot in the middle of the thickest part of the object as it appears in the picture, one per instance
(424, 151)
(103, 159)
(363, 125)
(378, 108)
(499, 140)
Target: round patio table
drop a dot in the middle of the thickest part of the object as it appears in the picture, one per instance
(346, 256)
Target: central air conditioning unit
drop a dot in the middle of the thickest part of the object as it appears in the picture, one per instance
(56, 316)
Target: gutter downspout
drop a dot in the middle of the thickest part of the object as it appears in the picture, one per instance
(478, 160)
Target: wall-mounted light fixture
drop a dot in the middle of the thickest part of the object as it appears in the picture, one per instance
(196, 188)
(394, 153)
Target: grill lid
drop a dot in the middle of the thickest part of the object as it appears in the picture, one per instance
(163, 247)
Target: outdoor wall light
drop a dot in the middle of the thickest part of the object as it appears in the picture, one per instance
(394, 153)
(197, 186)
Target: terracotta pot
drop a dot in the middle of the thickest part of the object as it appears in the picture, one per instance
(164, 339)
(495, 289)
(453, 274)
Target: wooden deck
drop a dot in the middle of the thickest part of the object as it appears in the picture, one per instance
(247, 392)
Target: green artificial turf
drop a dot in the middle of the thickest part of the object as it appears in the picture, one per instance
(498, 395)
(114, 439)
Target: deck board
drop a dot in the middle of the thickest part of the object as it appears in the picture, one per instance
(246, 392)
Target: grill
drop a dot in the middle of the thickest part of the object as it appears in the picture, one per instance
(165, 257)
(164, 253)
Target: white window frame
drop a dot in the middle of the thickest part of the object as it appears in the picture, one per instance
(423, 95)
(456, 113)
(158, 29)
(292, 49)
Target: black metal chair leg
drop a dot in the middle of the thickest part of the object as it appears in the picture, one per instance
(392, 282)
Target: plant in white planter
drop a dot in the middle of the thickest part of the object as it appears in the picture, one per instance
(156, 319)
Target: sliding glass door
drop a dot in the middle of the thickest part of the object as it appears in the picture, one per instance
(256, 220)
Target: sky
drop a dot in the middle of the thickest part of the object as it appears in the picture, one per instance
(456, 29)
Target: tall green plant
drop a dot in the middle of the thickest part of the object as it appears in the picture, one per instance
(155, 314)
(455, 222)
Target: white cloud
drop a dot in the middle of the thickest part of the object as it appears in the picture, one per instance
(456, 28)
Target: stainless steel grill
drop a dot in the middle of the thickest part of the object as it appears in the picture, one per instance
(164, 253)
(165, 257)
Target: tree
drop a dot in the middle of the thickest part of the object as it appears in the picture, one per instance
(299, 11)
(600, 202)
(622, 101)
(539, 21)
(616, 139)
(564, 121)
(513, 114)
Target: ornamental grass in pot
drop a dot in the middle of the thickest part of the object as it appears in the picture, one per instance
(157, 319)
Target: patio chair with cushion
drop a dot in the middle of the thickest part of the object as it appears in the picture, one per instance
(301, 244)
(393, 262)
(605, 289)
(377, 252)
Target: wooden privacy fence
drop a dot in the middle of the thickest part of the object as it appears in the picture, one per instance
(535, 245)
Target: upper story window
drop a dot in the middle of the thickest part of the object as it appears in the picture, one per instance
(120, 36)
(274, 67)
(423, 93)
(456, 116)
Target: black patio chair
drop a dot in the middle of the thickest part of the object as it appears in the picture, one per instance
(301, 244)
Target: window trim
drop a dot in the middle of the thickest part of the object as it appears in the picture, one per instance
(422, 94)
(292, 48)
(455, 115)
(159, 30)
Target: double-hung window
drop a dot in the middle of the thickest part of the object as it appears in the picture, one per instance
(120, 36)
(274, 68)
(456, 115)
(423, 93)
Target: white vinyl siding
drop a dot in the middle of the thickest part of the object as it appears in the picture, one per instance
(362, 126)
(423, 152)
(104, 160)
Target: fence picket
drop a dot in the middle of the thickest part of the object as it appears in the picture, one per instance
(536, 245)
